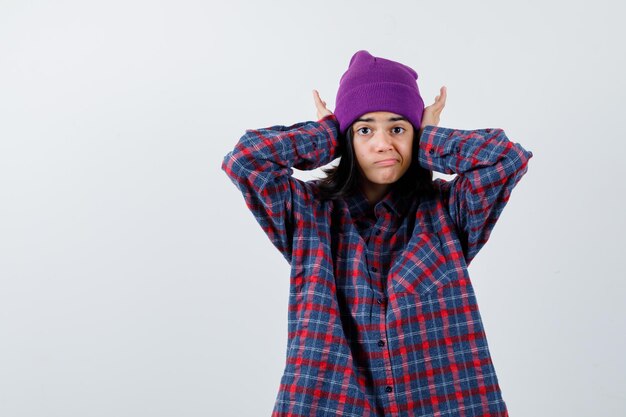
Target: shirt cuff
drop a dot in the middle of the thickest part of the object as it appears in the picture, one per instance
(435, 144)
(328, 141)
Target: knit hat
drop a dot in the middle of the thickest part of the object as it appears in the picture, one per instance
(377, 84)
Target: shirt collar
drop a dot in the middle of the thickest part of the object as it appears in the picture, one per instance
(394, 201)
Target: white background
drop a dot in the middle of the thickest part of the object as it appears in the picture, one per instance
(135, 282)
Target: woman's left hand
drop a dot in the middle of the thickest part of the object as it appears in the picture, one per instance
(320, 105)
(432, 112)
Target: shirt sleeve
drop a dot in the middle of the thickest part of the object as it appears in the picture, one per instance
(488, 166)
(261, 165)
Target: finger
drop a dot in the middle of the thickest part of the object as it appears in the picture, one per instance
(440, 100)
(318, 101)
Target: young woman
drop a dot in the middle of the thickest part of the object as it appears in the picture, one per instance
(383, 319)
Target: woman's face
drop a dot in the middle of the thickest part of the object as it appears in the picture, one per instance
(383, 143)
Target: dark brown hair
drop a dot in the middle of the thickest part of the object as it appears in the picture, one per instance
(342, 180)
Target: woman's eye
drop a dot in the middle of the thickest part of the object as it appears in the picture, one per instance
(366, 130)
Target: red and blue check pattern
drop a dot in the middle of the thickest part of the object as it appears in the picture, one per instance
(383, 319)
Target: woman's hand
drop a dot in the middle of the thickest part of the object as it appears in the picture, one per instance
(320, 105)
(432, 112)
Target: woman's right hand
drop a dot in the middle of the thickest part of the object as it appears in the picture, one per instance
(320, 105)
(432, 113)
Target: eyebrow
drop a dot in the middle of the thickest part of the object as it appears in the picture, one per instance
(391, 119)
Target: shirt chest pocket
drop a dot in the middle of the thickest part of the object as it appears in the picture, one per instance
(421, 267)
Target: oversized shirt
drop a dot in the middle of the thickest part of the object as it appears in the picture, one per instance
(383, 319)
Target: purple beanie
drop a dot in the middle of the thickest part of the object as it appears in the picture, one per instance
(377, 84)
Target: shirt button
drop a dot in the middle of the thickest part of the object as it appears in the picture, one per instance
(381, 343)
(431, 151)
(380, 300)
(377, 232)
(388, 389)
(374, 269)
(457, 149)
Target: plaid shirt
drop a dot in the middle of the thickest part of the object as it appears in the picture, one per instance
(383, 319)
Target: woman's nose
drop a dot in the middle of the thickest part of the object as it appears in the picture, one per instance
(382, 140)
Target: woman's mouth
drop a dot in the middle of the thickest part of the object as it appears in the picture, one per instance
(386, 162)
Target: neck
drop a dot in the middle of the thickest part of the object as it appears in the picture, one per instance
(375, 192)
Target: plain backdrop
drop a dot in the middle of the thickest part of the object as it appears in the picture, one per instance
(135, 282)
